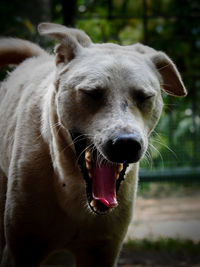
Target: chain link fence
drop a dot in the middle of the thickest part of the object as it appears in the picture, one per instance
(173, 27)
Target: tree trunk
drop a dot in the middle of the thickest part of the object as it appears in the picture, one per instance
(69, 12)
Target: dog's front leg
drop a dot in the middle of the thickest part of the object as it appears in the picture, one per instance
(3, 189)
(7, 260)
(96, 255)
(23, 247)
(27, 220)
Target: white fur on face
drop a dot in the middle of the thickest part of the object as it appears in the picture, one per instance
(120, 79)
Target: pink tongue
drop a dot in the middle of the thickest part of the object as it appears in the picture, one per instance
(104, 185)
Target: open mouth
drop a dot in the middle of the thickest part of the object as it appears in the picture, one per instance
(102, 177)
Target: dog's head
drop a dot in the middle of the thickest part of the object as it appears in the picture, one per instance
(109, 98)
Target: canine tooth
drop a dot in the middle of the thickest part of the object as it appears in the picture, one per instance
(90, 174)
(94, 208)
(120, 168)
(117, 176)
(92, 203)
(88, 166)
(87, 155)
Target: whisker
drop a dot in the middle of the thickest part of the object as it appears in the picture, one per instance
(162, 144)
(168, 148)
(79, 138)
(148, 159)
(158, 152)
(87, 147)
(53, 126)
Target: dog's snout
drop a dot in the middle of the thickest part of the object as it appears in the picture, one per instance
(124, 148)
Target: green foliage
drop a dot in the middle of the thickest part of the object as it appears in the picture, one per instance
(163, 244)
(14, 21)
(111, 21)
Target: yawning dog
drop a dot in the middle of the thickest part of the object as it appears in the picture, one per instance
(73, 127)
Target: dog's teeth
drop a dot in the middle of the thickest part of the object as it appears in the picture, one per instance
(88, 155)
(92, 203)
(120, 168)
(90, 174)
(95, 208)
(88, 166)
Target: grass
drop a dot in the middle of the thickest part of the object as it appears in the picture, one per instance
(163, 244)
(166, 252)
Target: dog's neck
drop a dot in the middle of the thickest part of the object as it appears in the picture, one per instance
(56, 136)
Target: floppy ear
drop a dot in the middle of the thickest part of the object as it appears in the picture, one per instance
(71, 40)
(172, 82)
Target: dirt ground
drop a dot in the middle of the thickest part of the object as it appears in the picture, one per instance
(176, 217)
(168, 217)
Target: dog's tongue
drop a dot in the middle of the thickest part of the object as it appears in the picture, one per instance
(104, 184)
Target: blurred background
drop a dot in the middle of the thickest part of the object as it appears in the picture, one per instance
(167, 217)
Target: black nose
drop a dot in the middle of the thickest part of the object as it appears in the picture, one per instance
(124, 148)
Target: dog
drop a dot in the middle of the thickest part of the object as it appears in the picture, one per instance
(74, 127)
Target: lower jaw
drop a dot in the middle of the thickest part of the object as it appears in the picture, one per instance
(98, 208)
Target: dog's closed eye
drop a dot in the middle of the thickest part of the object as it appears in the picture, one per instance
(94, 94)
(144, 100)
(141, 96)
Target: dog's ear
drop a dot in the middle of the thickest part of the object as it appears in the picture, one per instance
(172, 82)
(71, 41)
